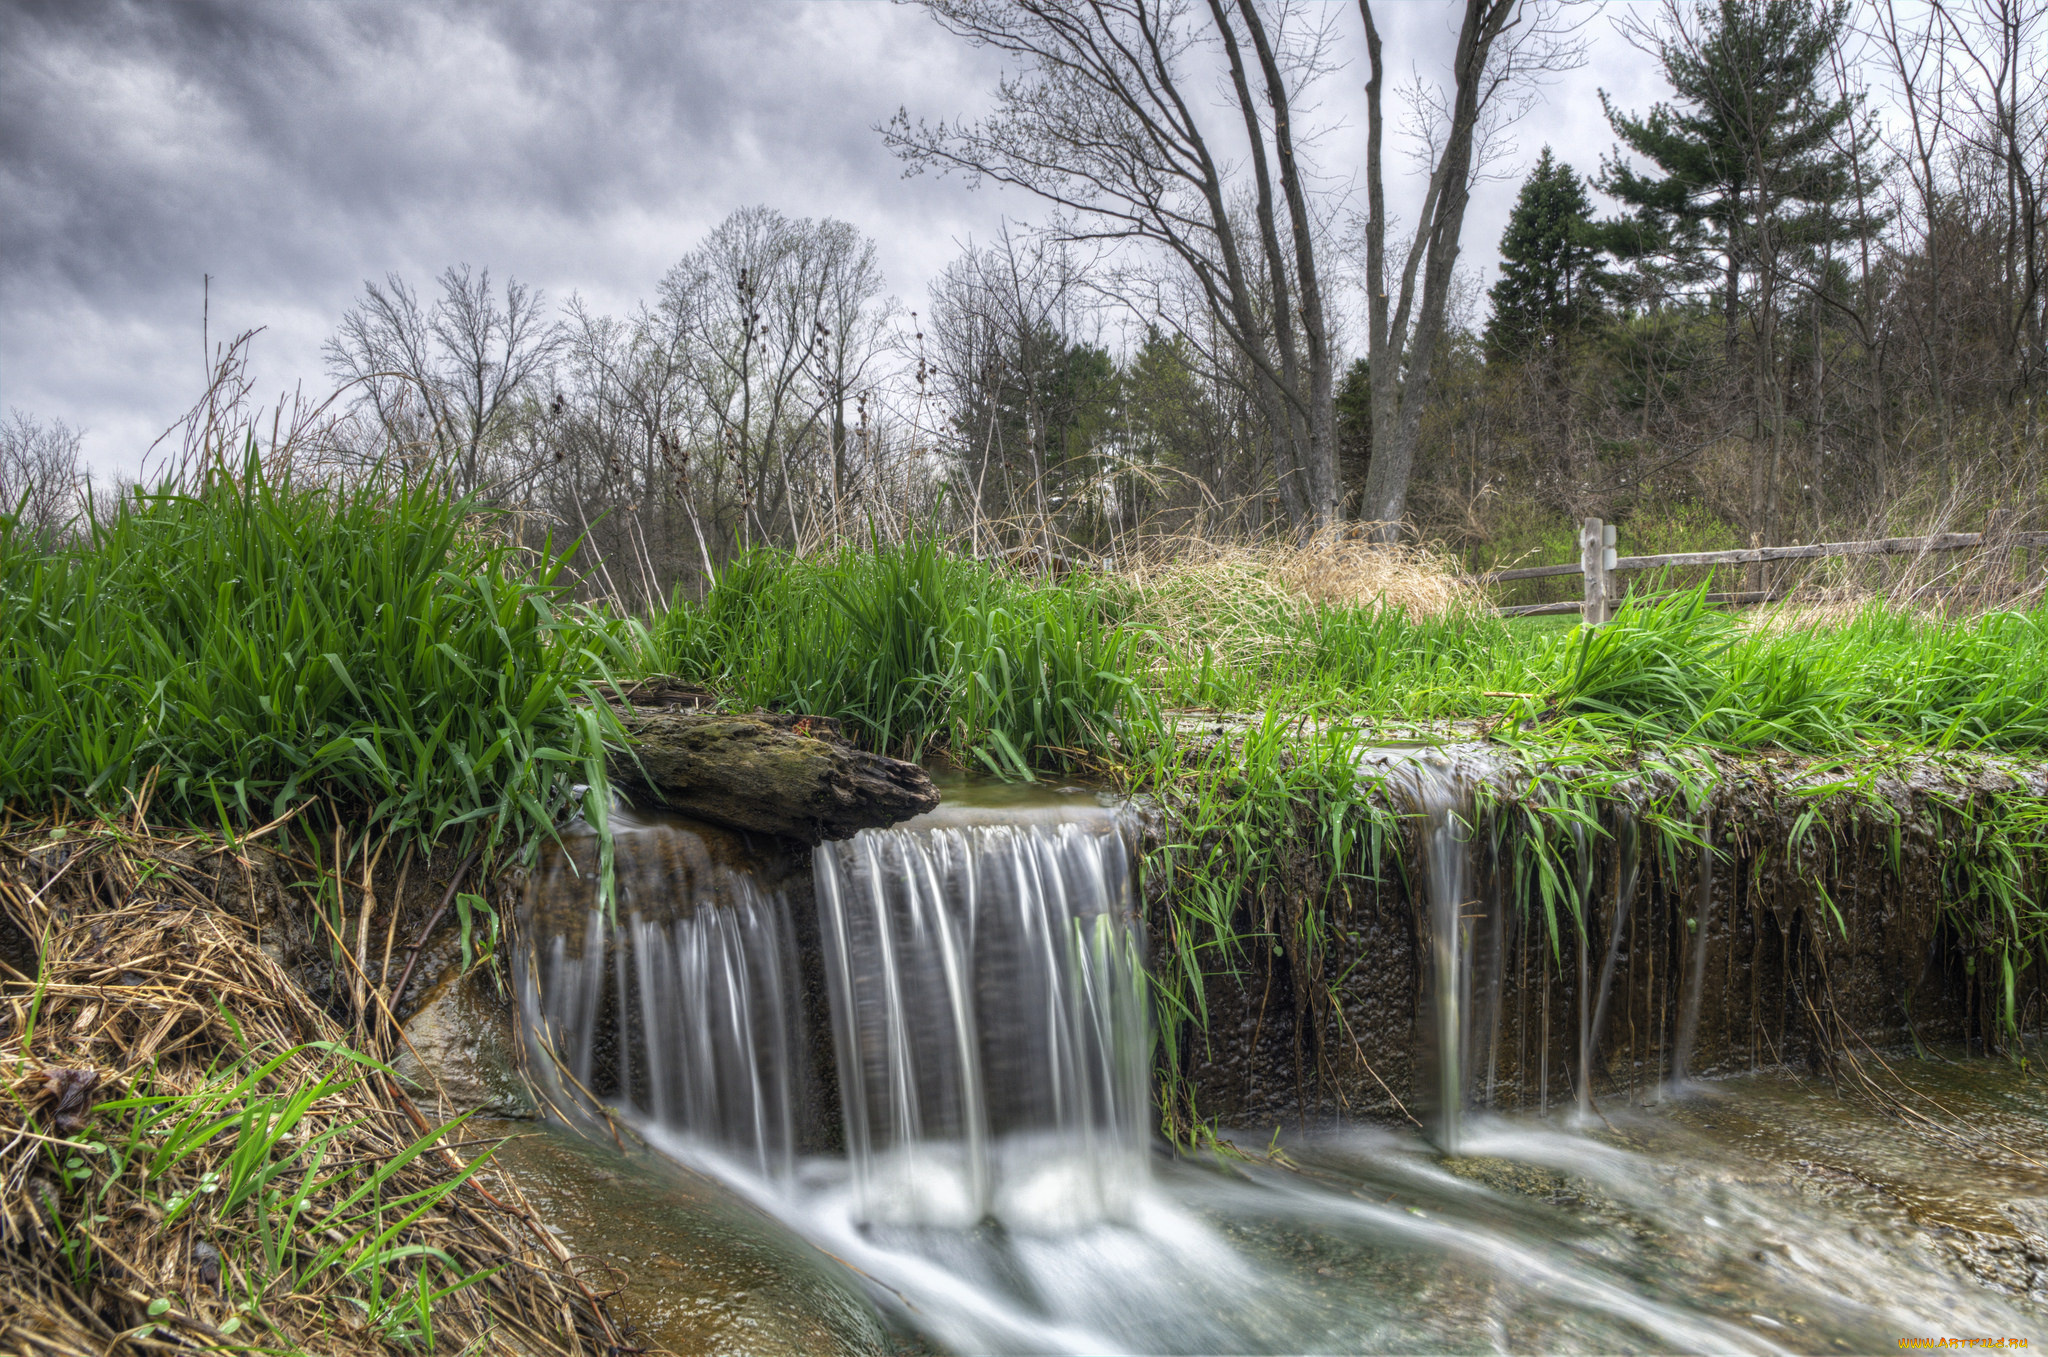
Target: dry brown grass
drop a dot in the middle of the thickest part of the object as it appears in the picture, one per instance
(153, 1001)
(1246, 601)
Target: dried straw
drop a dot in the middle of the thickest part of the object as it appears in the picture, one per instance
(153, 988)
(1246, 601)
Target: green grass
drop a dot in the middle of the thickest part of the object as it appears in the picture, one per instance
(916, 650)
(920, 652)
(298, 1225)
(247, 646)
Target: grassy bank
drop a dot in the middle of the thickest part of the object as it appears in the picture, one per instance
(920, 650)
(1628, 728)
(196, 1155)
(249, 649)
(245, 647)
(243, 678)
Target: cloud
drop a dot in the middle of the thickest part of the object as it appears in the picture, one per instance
(291, 150)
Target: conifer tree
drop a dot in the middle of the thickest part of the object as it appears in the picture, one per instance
(1757, 161)
(1754, 157)
(1551, 279)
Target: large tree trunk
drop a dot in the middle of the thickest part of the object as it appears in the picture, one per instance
(792, 776)
(1401, 355)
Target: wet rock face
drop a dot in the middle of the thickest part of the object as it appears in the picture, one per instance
(1789, 977)
(460, 1051)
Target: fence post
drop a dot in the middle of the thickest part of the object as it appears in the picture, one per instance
(1996, 555)
(1593, 561)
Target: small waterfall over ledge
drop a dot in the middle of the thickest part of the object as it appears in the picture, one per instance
(682, 1010)
(988, 1008)
(977, 971)
(925, 1051)
(1465, 933)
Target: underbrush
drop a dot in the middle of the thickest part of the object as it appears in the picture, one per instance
(195, 1155)
(240, 646)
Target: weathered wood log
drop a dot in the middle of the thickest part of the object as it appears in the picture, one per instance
(793, 776)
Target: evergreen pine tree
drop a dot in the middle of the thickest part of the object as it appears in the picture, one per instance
(1754, 156)
(1551, 279)
(1758, 159)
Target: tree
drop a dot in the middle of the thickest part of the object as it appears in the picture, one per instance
(39, 475)
(1760, 165)
(773, 319)
(1551, 278)
(1354, 421)
(1501, 43)
(1027, 400)
(1106, 122)
(446, 379)
(1172, 423)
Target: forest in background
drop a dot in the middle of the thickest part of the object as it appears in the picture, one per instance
(1800, 298)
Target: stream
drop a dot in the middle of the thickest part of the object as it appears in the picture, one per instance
(993, 1182)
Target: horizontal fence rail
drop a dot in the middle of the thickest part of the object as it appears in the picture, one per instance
(1598, 562)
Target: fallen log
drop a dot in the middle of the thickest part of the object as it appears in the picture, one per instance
(792, 776)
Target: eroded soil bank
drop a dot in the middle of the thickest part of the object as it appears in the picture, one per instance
(197, 1150)
(1844, 910)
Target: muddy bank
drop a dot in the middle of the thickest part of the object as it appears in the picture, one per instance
(1845, 911)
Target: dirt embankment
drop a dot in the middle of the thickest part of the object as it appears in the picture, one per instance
(201, 1149)
(1847, 910)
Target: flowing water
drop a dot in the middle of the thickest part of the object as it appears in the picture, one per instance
(1466, 929)
(1000, 1189)
(988, 1016)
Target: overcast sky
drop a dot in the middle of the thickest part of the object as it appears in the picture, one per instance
(293, 149)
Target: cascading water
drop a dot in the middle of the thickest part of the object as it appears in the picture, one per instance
(680, 1008)
(1696, 952)
(988, 1016)
(978, 970)
(1466, 943)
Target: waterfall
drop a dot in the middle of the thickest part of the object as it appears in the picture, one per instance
(988, 1014)
(1628, 849)
(679, 1009)
(1465, 930)
(1696, 953)
(959, 1001)
(986, 992)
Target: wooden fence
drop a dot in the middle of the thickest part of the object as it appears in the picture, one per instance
(1600, 564)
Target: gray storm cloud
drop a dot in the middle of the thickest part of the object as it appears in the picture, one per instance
(292, 150)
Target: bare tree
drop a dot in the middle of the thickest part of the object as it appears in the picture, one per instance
(1105, 122)
(851, 325)
(1001, 316)
(39, 475)
(1501, 45)
(774, 324)
(1997, 52)
(446, 379)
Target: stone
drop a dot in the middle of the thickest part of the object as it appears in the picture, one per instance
(461, 1051)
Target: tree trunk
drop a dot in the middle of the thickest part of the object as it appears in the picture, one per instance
(1401, 356)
